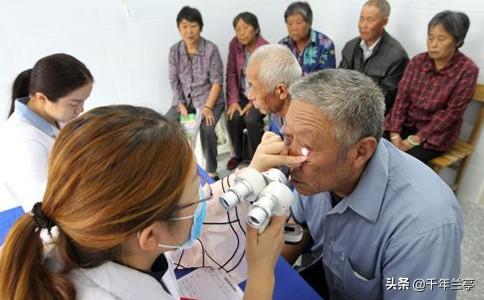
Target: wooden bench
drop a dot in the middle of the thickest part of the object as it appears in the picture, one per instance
(458, 156)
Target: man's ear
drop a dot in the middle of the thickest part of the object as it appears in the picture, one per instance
(385, 21)
(149, 237)
(363, 151)
(282, 91)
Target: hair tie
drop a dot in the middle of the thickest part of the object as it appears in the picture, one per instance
(40, 218)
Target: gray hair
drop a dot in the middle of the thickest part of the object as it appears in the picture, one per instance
(382, 5)
(350, 99)
(301, 8)
(454, 22)
(276, 65)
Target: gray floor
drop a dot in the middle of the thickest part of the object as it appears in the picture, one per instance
(472, 245)
(473, 250)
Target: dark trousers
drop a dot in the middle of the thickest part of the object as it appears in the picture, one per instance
(208, 137)
(253, 121)
(419, 152)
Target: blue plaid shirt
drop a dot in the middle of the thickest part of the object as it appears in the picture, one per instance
(317, 55)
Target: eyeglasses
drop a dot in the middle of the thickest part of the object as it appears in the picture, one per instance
(205, 192)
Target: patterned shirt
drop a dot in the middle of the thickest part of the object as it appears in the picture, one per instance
(192, 77)
(434, 101)
(317, 55)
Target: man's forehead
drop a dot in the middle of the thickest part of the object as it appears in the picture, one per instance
(371, 10)
(303, 117)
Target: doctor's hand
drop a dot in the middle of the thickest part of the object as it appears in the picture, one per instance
(272, 152)
(262, 251)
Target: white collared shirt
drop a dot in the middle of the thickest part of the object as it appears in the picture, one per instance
(27, 140)
(368, 51)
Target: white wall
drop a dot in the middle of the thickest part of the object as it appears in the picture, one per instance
(125, 43)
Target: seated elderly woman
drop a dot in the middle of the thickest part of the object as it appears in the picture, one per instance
(196, 76)
(240, 112)
(434, 91)
(313, 50)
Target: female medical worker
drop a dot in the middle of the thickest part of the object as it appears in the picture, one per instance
(122, 190)
(50, 94)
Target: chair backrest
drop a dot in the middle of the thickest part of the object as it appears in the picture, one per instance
(479, 97)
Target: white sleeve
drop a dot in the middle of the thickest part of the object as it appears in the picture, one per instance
(27, 176)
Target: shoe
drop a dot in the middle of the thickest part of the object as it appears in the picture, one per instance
(233, 163)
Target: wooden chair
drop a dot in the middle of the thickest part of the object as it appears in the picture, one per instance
(458, 156)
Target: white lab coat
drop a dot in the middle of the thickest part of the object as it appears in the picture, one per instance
(114, 281)
(24, 156)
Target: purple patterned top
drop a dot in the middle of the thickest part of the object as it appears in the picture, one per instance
(192, 77)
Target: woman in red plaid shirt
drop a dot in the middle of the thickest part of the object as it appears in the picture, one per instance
(434, 91)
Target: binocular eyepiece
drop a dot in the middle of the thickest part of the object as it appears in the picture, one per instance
(248, 185)
(276, 199)
(268, 192)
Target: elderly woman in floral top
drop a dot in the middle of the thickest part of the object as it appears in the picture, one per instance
(313, 50)
(196, 76)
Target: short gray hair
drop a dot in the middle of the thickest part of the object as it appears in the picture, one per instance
(454, 22)
(276, 65)
(301, 8)
(350, 99)
(382, 5)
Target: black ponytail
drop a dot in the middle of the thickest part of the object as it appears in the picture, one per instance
(20, 88)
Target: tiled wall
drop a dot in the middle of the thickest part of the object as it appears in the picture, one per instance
(125, 43)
